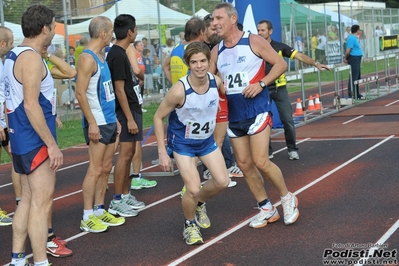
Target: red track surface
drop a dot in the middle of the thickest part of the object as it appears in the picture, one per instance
(346, 181)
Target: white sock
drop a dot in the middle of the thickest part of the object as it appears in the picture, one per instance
(18, 261)
(41, 263)
(267, 206)
(286, 197)
(87, 213)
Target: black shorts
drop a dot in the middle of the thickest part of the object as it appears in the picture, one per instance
(125, 136)
(4, 143)
(27, 163)
(107, 134)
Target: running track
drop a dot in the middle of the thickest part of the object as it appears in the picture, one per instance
(346, 181)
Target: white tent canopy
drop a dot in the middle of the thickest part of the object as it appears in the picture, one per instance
(334, 16)
(144, 11)
(19, 36)
(202, 13)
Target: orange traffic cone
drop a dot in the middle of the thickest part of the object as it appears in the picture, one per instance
(317, 102)
(299, 110)
(311, 104)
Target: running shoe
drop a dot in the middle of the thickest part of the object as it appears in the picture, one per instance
(4, 218)
(264, 216)
(26, 263)
(183, 190)
(56, 249)
(192, 235)
(110, 220)
(293, 155)
(290, 208)
(93, 225)
(142, 183)
(133, 202)
(234, 171)
(271, 156)
(207, 175)
(121, 208)
(201, 218)
(61, 240)
(232, 183)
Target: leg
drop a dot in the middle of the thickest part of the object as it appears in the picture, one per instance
(41, 182)
(101, 185)
(122, 167)
(95, 170)
(137, 158)
(282, 100)
(21, 216)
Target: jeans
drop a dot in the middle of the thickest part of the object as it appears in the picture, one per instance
(354, 62)
(280, 97)
(227, 155)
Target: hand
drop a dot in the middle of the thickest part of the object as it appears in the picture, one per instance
(56, 157)
(321, 67)
(59, 122)
(165, 162)
(252, 90)
(132, 127)
(118, 128)
(94, 133)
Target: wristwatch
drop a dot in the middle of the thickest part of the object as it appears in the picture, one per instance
(262, 84)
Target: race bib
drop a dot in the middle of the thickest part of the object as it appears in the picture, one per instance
(109, 91)
(137, 91)
(236, 83)
(197, 130)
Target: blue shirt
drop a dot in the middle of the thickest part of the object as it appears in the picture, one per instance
(353, 43)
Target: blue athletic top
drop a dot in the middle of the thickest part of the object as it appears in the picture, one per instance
(23, 137)
(194, 122)
(239, 67)
(100, 94)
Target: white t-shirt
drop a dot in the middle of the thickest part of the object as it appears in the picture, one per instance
(321, 45)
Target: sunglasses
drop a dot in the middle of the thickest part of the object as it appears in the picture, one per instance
(209, 16)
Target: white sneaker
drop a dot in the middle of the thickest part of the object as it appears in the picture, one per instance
(207, 175)
(293, 155)
(264, 216)
(234, 171)
(232, 183)
(143, 110)
(290, 208)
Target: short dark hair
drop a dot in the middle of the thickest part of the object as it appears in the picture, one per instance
(35, 18)
(122, 24)
(355, 28)
(146, 51)
(193, 28)
(267, 22)
(240, 26)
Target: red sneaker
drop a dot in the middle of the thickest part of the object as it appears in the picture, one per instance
(61, 240)
(56, 249)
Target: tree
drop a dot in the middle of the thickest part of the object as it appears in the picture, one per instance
(13, 9)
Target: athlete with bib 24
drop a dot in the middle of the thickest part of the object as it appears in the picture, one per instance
(192, 103)
(240, 59)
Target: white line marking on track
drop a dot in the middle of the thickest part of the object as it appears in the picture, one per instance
(356, 118)
(381, 241)
(245, 223)
(391, 103)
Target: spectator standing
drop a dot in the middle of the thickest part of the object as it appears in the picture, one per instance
(149, 46)
(79, 49)
(148, 79)
(321, 48)
(353, 57)
(170, 43)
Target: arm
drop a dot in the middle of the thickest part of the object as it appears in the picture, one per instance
(166, 69)
(263, 48)
(306, 59)
(87, 66)
(31, 71)
(174, 97)
(131, 54)
(61, 69)
(214, 59)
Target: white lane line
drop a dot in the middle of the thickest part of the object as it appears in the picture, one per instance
(381, 241)
(81, 163)
(245, 223)
(356, 118)
(391, 103)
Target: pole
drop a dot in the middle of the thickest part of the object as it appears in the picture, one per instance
(193, 4)
(160, 38)
(1, 13)
(67, 51)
